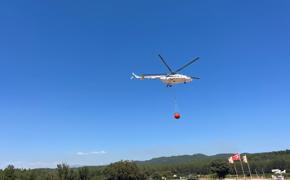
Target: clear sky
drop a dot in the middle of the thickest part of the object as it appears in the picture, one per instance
(66, 93)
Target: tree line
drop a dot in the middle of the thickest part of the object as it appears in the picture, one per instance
(215, 166)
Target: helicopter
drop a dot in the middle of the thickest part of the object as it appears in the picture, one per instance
(171, 78)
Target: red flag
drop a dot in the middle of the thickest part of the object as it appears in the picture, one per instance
(236, 157)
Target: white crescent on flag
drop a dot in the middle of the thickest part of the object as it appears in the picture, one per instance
(236, 157)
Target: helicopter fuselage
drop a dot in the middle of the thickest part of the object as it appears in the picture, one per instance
(168, 79)
(175, 79)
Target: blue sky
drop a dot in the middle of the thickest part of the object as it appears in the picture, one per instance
(66, 93)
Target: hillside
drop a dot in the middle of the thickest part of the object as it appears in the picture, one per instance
(200, 163)
(182, 159)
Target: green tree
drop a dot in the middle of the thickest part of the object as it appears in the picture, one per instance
(83, 173)
(220, 168)
(9, 173)
(65, 173)
(123, 170)
(49, 176)
(156, 176)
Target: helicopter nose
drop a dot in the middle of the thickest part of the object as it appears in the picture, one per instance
(189, 79)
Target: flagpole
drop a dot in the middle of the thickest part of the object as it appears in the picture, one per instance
(249, 170)
(242, 168)
(231, 161)
(236, 171)
(245, 159)
(263, 173)
(257, 173)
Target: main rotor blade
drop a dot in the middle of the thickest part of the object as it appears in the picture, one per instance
(192, 77)
(165, 63)
(195, 59)
(154, 74)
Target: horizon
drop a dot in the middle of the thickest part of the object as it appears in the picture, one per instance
(66, 93)
(18, 164)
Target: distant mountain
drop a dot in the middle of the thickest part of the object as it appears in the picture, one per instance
(200, 163)
(182, 159)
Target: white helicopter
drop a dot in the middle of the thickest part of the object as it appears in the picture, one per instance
(171, 78)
